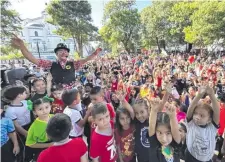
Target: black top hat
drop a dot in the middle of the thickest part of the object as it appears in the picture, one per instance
(61, 46)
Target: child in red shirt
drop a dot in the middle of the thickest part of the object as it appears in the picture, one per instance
(103, 146)
(97, 96)
(125, 132)
(63, 149)
(58, 105)
(114, 85)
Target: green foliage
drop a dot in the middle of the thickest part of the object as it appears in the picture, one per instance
(73, 19)
(10, 53)
(208, 24)
(121, 23)
(180, 17)
(155, 20)
(114, 6)
(201, 23)
(10, 21)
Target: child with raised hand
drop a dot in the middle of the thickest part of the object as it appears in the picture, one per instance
(203, 121)
(63, 149)
(141, 129)
(164, 135)
(125, 130)
(9, 148)
(37, 138)
(141, 110)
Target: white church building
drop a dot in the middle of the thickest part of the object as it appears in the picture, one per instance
(41, 39)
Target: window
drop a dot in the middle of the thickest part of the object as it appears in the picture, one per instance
(36, 33)
(21, 33)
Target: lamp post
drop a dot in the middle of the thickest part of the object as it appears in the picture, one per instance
(38, 50)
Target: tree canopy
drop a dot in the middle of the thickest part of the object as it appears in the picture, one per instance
(73, 19)
(10, 21)
(120, 24)
(197, 22)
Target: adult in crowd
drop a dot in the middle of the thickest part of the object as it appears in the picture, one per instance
(62, 70)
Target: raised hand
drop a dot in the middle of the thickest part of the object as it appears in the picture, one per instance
(169, 87)
(202, 90)
(121, 95)
(156, 104)
(210, 91)
(170, 110)
(49, 77)
(17, 42)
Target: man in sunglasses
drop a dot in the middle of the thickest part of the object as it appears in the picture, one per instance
(62, 70)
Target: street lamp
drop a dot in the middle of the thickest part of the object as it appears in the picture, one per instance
(38, 50)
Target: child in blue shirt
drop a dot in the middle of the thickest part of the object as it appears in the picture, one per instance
(9, 148)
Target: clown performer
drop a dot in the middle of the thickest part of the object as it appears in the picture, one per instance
(62, 70)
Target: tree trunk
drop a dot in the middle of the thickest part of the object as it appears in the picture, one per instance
(75, 43)
(128, 50)
(157, 41)
(189, 47)
(80, 46)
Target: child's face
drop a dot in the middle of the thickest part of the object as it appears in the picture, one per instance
(141, 113)
(133, 92)
(223, 81)
(114, 98)
(42, 110)
(87, 89)
(182, 132)
(201, 116)
(164, 135)
(57, 94)
(124, 120)
(114, 80)
(191, 91)
(40, 86)
(96, 98)
(102, 120)
(89, 77)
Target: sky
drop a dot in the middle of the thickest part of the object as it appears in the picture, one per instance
(33, 8)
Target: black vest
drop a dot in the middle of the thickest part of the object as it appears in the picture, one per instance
(63, 76)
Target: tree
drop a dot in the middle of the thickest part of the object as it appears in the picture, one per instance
(180, 18)
(10, 21)
(9, 53)
(208, 24)
(156, 25)
(73, 19)
(121, 23)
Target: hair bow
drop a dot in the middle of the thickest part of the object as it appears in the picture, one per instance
(48, 98)
(29, 105)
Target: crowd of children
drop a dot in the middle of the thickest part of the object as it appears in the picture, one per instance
(128, 109)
